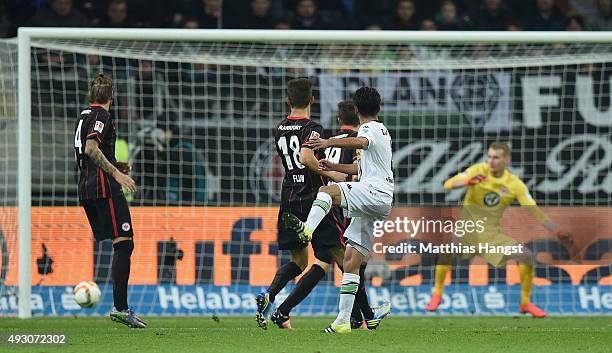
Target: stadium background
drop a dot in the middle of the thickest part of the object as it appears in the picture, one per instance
(206, 226)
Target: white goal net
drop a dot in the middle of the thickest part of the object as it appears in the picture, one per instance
(195, 120)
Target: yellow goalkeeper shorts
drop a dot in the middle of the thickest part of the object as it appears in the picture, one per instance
(486, 245)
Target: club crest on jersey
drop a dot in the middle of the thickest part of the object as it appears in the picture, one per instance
(314, 135)
(99, 126)
(491, 199)
(126, 226)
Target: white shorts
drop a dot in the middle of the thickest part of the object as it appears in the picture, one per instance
(365, 202)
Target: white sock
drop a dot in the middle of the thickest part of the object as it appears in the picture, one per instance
(350, 283)
(320, 207)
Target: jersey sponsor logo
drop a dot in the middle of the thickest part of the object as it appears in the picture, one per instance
(289, 127)
(86, 111)
(126, 226)
(491, 199)
(99, 126)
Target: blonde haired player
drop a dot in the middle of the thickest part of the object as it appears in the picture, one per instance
(491, 189)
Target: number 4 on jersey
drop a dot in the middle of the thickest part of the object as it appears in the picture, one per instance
(77, 137)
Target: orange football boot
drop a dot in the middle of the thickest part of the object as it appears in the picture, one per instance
(532, 309)
(434, 302)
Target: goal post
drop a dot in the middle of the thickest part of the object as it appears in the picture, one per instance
(471, 51)
(24, 174)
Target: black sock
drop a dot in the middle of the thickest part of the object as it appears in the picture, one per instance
(284, 274)
(121, 272)
(302, 289)
(361, 297)
(356, 312)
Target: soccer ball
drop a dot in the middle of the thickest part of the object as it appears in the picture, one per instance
(87, 294)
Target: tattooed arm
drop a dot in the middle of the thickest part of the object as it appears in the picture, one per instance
(93, 152)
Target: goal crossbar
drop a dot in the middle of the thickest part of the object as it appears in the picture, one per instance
(316, 36)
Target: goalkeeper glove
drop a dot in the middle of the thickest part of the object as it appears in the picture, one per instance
(567, 240)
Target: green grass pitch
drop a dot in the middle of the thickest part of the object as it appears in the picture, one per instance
(396, 334)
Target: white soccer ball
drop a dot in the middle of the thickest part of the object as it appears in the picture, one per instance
(87, 294)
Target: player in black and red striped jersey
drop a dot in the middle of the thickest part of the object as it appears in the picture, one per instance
(301, 183)
(349, 124)
(101, 180)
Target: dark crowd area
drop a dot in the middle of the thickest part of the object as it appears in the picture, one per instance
(494, 15)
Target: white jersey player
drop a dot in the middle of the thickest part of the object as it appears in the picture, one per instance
(366, 201)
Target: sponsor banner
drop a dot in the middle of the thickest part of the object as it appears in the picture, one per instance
(323, 300)
(479, 99)
(224, 246)
(565, 168)
(544, 99)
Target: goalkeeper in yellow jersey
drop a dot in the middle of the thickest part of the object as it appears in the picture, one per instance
(491, 188)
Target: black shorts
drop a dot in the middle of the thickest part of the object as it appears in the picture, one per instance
(327, 236)
(109, 218)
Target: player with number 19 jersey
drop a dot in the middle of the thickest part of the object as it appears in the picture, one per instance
(300, 187)
(342, 155)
